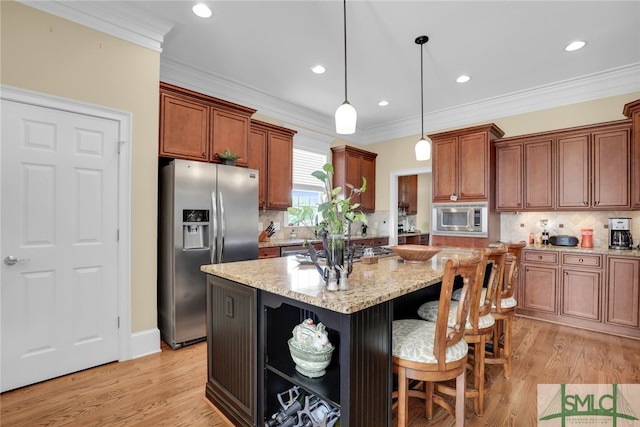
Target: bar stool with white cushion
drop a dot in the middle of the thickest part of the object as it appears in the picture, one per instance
(435, 351)
(479, 325)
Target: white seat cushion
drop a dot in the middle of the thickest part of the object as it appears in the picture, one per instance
(429, 311)
(412, 340)
(504, 303)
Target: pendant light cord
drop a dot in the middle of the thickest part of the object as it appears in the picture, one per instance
(344, 5)
(422, 89)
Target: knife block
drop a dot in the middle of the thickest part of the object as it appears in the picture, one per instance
(262, 237)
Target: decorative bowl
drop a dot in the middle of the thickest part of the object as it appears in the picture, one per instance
(417, 254)
(310, 363)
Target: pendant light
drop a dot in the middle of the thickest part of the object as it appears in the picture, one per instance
(346, 115)
(423, 147)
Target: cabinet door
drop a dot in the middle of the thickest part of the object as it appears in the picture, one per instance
(184, 128)
(473, 167)
(539, 289)
(611, 169)
(581, 293)
(538, 175)
(444, 170)
(280, 170)
(257, 159)
(411, 184)
(368, 170)
(623, 291)
(573, 172)
(231, 131)
(403, 194)
(509, 177)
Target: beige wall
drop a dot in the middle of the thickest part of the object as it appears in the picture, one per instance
(43, 53)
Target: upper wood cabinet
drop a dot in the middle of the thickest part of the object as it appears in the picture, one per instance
(593, 168)
(350, 165)
(586, 167)
(195, 126)
(271, 153)
(632, 110)
(408, 193)
(524, 174)
(462, 164)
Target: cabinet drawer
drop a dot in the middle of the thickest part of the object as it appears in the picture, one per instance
(268, 252)
(583, 260)
(540, 256)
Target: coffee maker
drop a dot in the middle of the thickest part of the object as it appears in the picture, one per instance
(620, 233)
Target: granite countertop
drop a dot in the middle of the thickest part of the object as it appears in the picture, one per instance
(369, 284)
(602, 250)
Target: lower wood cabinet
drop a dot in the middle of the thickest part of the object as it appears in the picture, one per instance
(581, 286)
(592, 291)
(540, 282)
(623, 299)
(270, 252)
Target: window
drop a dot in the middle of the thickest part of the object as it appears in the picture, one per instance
(307, 189)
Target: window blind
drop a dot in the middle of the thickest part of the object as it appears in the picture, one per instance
(305, 162)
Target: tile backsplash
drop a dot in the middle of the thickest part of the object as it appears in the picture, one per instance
(516, 227)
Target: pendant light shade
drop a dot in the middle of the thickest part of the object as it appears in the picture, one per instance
(423, 147)
(346, 115)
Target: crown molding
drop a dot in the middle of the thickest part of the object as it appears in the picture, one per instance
(613, 82)
(130, 24)
(119, 20)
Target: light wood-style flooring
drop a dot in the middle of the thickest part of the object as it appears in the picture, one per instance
(167, 389)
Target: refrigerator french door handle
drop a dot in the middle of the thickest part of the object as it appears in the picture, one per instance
(222, 229)
(213, 233)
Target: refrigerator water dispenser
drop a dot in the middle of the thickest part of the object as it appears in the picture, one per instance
(195, 229)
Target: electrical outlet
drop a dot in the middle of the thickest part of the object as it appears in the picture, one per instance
(521, 225)
(560, 225)
(276, 225)
(228, 306)
(260, 226)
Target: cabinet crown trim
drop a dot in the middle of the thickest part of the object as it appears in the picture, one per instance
(490, 127)
(624, 123)
(212, 101)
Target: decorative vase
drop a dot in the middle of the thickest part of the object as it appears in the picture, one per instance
(228, 162)
(334, 250)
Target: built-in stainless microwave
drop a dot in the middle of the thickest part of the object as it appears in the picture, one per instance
(460, 219)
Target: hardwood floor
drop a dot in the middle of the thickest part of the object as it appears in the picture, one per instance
(167, 389)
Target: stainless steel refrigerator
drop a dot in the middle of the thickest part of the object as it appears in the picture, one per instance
(208, 214)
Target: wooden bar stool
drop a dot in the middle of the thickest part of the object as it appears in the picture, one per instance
(435, 351)
(504, 311)
(479, 326)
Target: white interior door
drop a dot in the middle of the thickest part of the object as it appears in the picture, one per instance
(59, 243)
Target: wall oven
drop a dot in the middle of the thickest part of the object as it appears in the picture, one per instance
(460, 219)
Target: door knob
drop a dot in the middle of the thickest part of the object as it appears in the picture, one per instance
(11, 260)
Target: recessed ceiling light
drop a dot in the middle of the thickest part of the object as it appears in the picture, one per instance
(578, 44)
(383, 103)
(318, 69)
(463, 79)
(202, 10)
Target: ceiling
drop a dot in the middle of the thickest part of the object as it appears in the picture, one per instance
(259, 54)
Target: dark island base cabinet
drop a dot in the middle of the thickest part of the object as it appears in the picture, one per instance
(358, 379)
(249, 363)
(232, 345)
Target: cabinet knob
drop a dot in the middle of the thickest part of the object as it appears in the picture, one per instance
(596, 203)
(539, 256)
(585, 203)
(580, 260)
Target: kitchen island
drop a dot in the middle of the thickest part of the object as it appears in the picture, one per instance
(252, 307)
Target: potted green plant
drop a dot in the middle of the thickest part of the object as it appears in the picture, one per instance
(228, 157)
(335, 215)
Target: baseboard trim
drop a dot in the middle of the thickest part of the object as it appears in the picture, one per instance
(144, 343)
